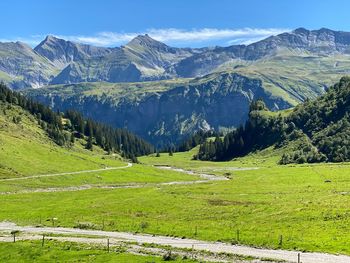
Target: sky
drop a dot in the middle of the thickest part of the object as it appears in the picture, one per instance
(182, 23)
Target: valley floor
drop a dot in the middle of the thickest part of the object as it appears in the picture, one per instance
(250, 202)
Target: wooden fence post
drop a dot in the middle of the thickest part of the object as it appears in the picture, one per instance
(13, 233)
(280, 243)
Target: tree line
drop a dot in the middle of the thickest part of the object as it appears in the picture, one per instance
(195, 139)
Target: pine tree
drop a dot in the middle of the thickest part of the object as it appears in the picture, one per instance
(89, 145)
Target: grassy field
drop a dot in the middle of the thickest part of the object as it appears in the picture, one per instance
(266, 157)
(308, 205)
(55, 251)
(137, 174)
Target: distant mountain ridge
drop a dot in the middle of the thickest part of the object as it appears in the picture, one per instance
(61, 52)
(321, 42)
(57, 61)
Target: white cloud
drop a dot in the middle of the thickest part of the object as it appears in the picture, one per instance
(173, 36)
(103, 38)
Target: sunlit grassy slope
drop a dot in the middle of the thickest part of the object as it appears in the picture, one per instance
(25, 149)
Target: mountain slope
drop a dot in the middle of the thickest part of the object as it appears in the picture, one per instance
(316, 131)
(21, 66)
(61, 52)
(322, 42)
(168, 113)
(27, 150)
(286, 69)
(38, 140)
(143, 58)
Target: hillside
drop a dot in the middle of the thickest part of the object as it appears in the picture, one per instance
(26, 148)
(314, 131)
(35, 140)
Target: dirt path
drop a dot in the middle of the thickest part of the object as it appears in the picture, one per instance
(215, 247)
(137, 249)
(66, 173)
(91, 186)
(204, 179)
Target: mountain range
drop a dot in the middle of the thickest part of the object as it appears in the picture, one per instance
(164, 93)
(57, 61)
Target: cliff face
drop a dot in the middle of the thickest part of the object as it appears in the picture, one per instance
(217, 102)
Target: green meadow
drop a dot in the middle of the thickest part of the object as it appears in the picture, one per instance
(307, 205)
(55, 251)
(302, 207)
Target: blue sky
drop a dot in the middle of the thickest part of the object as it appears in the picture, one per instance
(192, 23)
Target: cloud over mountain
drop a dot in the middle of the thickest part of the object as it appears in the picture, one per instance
(173, 36)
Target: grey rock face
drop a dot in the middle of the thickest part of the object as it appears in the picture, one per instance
(222, 101)
(61, 52)
(23, 66)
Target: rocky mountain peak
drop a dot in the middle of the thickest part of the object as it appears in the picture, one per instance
(62, 52)
(145, 41)
(51, 38)
(301, 31)
(23, 45)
